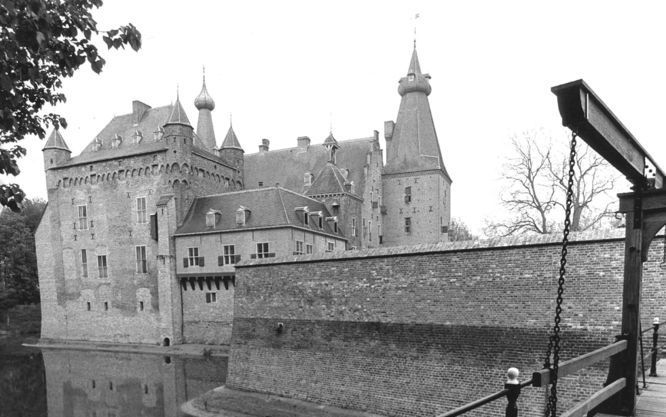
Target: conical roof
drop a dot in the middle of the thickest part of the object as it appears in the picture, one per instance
(56, 141)
(331, 141)
(178, 115)
(231, 141)
(414, 145)
(414, 66)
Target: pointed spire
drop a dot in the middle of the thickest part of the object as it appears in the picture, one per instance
(231, 141)
(414, 66)
(204, 100)
(56, 141)
(178, 115)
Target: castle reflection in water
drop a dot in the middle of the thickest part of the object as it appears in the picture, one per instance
(100, 384)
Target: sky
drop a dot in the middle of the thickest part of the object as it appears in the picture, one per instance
(283, 69)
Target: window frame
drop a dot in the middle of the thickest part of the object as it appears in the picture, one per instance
(193, 256)
(408, 225)
(229, 256)
(211, 297)
(141, 263)
(102, 266)
(82, 220)
(141, 213)
(265, 250)
(299, 248)
(84, 263)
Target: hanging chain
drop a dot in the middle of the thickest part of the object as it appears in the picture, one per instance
(554, 339)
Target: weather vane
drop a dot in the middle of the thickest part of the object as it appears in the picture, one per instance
(416, 16)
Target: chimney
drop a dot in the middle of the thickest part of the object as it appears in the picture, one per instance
(264, 145)
(138, 110)
(388, 129)
(303, 142)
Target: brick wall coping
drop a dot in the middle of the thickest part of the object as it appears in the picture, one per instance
(469, 245)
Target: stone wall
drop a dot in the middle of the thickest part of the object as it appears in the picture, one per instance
(428, 208)
(420, 330)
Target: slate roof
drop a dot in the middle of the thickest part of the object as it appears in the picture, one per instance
(56, 141)
(288, 166)
(414, 145)
(124, 126)
(269, 207)
(231, 141)
(329, 180)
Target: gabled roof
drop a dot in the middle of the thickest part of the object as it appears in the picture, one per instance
(56, 141)
(329, 180)
(231, 141)
(288, 166)
(268, 208)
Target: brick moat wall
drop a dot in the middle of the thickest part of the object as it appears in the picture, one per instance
(417, 331)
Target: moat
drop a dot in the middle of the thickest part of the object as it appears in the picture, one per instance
(62, 383)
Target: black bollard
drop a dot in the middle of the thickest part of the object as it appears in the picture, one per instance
(512, 385)
(655, 339)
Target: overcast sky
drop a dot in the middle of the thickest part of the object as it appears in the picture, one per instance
(287, 69)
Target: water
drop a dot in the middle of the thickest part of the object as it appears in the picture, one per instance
(69, 383)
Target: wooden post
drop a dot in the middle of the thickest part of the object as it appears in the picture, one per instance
(655, 340)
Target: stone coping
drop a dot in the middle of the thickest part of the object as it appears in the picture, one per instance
(174, 350)
(227, 402)
(468, 245)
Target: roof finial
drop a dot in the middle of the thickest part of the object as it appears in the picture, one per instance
(330, 122)
(231, 121)
(416, 16)
(204, 74)
(177, 91)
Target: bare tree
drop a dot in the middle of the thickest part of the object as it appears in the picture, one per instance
(536, 183)
(459, 231)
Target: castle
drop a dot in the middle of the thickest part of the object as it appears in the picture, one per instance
(142, 231)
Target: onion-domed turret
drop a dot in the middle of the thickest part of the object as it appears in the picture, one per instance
(415, 81)
(204, 100)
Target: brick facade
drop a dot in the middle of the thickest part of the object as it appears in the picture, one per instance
(421, 330)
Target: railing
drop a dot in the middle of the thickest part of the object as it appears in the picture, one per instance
(543, 378)
(653, 351)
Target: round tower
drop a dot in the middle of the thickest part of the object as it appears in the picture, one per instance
(55, 153)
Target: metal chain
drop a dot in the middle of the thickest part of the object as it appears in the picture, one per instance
(554, 339)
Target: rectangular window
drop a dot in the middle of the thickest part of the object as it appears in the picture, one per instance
(141, 210)
(308, 248)
(370, 230)
(262, 250)
(408, 225)
(211, 297)
(193, 256)
(229, 254)
(330, 246)
(353, 230)
(83, 217)
(141, 260)
(140, 305)
(106, 306)
(88, 306)
(299, 248)
(84, 263)
(102, 267)
(408, 194)
(365, 229)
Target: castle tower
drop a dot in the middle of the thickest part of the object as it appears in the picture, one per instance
(55, 152)
(333, 189)
(415, 183)
(205, 104)
(233, 154)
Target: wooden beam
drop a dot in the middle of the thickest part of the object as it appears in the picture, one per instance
(583, 112)
(542, 377)
(582, 409)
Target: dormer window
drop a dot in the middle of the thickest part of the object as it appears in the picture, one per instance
(212, 218)
(410, 77)
(116, 141)
(303, 211)
(333, 222)
(242, 214)
(307, 179)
